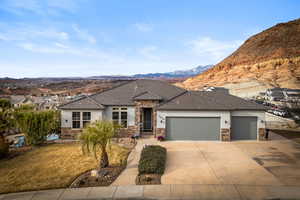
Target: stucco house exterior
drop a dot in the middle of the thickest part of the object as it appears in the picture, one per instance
(152, 107)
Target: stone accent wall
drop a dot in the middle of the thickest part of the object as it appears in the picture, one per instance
(225, 134)
(261, 134)
(138, 108)
(127, 132)
(161, 132)
(69, 133)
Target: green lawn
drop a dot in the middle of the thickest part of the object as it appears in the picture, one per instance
(51, 166)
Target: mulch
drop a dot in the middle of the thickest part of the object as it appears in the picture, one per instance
(105, 177)
(14, 152)
(148, 179)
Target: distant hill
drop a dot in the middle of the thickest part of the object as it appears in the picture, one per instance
(76, 85)
(176, 74)
(181, 74)
(268, 59)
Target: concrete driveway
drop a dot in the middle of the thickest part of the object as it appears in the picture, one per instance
(271, 163)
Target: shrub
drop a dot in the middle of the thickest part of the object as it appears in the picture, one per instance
(153, 160)
(37, 124)
(160, 138)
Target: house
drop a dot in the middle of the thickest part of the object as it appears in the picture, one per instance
(219, 89)
(152, 107)
(292, 95)
(18, 100)
(275, 94)
(283, 94)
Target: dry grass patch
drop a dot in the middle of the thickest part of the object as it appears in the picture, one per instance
(51, 166)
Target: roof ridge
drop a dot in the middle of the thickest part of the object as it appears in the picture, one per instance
(99, 104)
(142, 93)
(122, 84)
(184, 92)
(85, 96)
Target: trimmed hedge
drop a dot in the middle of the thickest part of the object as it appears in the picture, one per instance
(153, 160)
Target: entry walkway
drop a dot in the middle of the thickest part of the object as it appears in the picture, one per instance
(128, 176)
(208, 192)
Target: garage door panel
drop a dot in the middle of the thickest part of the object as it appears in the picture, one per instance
(243, 128)
(193, 128)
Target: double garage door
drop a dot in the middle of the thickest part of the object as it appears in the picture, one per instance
(193, 128)
(208, 128)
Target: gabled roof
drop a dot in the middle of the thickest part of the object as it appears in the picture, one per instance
(203, 100)
(147, 96)
(125, 94)
(82, 103)
(16, 99)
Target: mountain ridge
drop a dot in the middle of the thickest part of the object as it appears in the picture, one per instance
(270, 58)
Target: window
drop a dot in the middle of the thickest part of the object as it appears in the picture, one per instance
(86, 118)
(75, 119)
(115, 117)
(124, 119)
(119, 116)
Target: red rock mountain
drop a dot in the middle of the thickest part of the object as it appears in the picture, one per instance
(268, 59)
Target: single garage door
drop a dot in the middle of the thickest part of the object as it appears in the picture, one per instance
(193, 128)
(244, 128)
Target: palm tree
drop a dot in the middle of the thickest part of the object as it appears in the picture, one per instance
(96, 137)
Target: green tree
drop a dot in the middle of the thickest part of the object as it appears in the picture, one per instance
(37, 124)
(96, 138)
(6, 121)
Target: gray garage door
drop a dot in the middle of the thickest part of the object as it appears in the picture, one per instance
(193, 128)
(243, 128)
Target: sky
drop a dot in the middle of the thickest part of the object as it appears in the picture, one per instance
(63, 38)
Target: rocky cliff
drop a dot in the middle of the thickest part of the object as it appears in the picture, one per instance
(268, 59)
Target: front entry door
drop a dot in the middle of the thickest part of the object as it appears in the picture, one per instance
(147, 117)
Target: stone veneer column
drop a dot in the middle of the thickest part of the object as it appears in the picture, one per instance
(145, 104)
(261, 134)
(225, 134)
(161, 132)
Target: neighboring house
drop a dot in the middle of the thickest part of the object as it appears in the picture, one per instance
(158, 108)
(216, 89)
(274, 94)
(18, 100)
(38, 102)
(292, 95)
(283, 94)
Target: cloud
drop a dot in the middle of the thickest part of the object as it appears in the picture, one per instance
(39, 7)
(213, 50)
(28, 33)
(60, 45)
(148, 52)
(143, 27)
(84, 35)
(59, 48)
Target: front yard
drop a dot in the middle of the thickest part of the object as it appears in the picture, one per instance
(51, 166)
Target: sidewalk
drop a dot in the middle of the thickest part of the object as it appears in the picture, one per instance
(207, 192)
(127, 177)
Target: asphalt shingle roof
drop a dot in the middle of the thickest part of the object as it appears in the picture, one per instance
(148, 96)
(171, 98)
(124, 94)
(203, 100)
(82, 103)
(15, 99)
